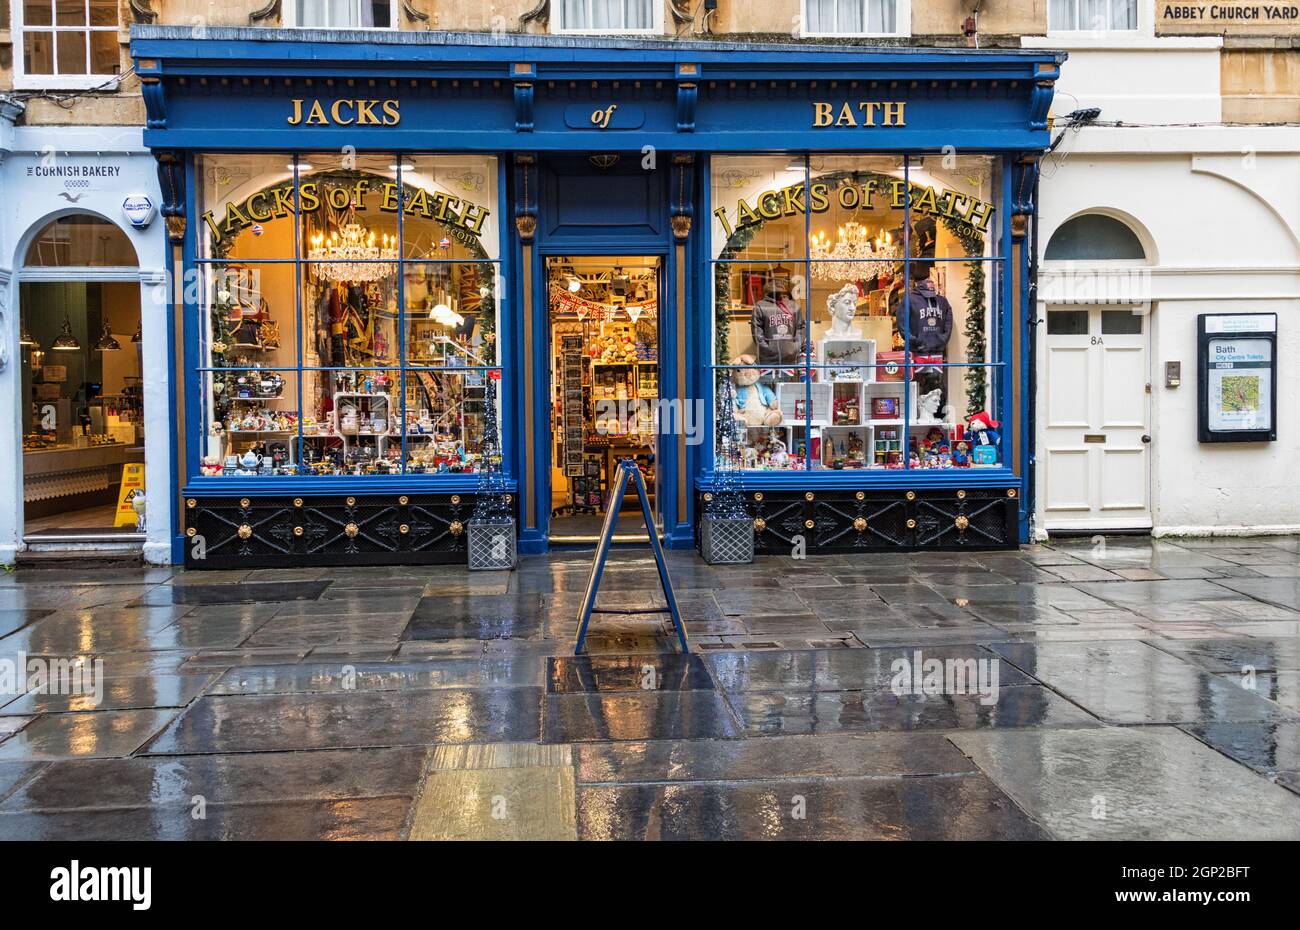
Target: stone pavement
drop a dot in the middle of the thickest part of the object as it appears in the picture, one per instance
(1126, 689)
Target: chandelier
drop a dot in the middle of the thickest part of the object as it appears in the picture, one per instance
(855, 256)
(351, 254)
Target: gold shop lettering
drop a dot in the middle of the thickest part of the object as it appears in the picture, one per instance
(465, 217)
(345, 113)
(791, 201)
(867, 114)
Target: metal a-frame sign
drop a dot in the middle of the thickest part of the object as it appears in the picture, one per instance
(627, 471)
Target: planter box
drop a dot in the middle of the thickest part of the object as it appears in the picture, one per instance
(727, 541)
(492, 546)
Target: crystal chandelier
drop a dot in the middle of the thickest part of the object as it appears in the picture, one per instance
(351, 254)
(855, 255)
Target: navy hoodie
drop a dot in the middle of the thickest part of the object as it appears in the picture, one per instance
(929, 321)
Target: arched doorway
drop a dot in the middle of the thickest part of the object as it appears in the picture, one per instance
(82, 390)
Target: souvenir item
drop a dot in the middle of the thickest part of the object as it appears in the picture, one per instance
(755, 402)
(928, 406)
(842, 305)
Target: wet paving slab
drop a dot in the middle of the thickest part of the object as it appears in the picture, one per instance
(960, 807)
(1131, 783)
(12, 620)
(174, 781)
(88, 735)
(122, 693)
(614, 673)
(343, 676)
(241, 593)
(1133, 682)
(852, 669)
(833, 712)
(269, 722)
(572, 718)
(13, 775)
(350, 819)
(771, 758)
(1238, 655)
(1271, 748)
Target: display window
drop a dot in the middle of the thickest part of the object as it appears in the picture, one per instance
(349, 313)
(856, 312)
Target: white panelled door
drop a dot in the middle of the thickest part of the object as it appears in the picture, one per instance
(1096, 419)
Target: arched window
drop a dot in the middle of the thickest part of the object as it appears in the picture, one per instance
(81, 241)
(1094, 237)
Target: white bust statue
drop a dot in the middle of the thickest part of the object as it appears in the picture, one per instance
(842, 305)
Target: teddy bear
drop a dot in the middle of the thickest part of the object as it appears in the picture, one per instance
(755, 401)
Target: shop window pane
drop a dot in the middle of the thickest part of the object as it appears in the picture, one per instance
(1067, 323)
(349, 210)
(103, 12)
(251, 419)
(348, 321)
(71, 52)
(760, 314)
(38, 52)
(939, 434)
(343, 14)
(758, 208)
(104, 52)
(352, 422)
(954, 205)
(770, 414)
(79, 241)
(450, 207)
(451, 316)
(250, 320)
(445, 415)
(70, 12)
(38, 13)
(246, 205)
(1126, 322)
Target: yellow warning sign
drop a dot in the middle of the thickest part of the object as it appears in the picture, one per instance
(132, 485)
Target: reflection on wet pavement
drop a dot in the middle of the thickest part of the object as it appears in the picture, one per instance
(1140, 689)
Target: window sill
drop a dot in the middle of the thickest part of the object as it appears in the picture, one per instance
(288, 485)
(1120, 42)
(999, 476)
(105, 83)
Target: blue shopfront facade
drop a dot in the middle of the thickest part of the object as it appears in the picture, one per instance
(679, 152)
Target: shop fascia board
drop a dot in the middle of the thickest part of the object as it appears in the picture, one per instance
(100, 140)
(1182, 140)
(427, 55)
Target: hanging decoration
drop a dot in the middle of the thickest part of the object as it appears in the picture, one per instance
(562, 301)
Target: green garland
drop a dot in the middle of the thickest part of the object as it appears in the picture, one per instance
(972, 243)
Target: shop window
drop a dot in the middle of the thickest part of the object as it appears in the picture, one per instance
(1091, 15)
(605, 16)
(856, 315)
(856, 17)
(65, 43)
(341, 14)
(1094, 237)
(80, 241)
(350, 313)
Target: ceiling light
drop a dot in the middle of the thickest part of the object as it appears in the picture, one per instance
(106, 341)
(66, 342)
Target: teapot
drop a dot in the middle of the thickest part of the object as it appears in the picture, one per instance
(250, 459)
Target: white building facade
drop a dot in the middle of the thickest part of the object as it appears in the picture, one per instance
(79, 178)
(1143, 228)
